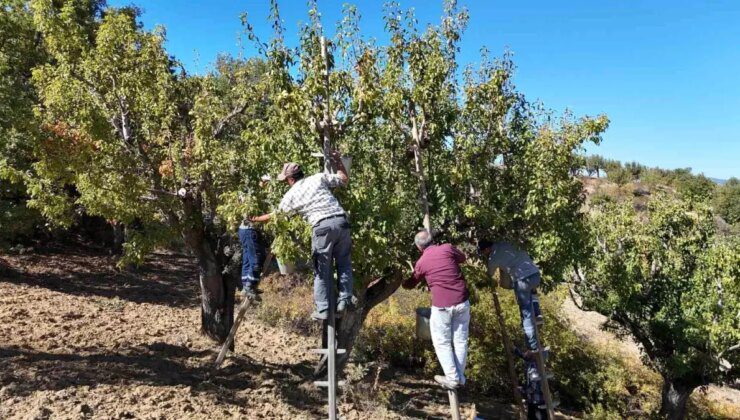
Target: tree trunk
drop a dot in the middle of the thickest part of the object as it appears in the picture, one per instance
(673, 399)
(217, 285)
(217, 299)
(119, 236)
(419, 166)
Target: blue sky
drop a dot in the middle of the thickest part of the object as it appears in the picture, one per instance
(667, 73)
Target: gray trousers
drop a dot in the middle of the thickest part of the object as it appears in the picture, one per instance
(331, 244)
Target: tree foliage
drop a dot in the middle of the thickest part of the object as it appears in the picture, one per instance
(727, 201)
(666, 279)
(141, 140)
(20, 52)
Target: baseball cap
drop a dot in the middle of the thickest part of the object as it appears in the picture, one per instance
(289, 169)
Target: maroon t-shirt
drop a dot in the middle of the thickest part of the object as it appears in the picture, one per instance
(439, 265)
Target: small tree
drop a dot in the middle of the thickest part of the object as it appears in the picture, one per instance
(663, 278)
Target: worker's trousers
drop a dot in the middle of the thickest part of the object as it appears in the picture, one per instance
(449, 327)
(331, 244)
(523, 290)
(253, 255)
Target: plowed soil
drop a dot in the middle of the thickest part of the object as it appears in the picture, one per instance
(80, 339)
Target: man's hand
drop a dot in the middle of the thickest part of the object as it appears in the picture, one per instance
(261, 219)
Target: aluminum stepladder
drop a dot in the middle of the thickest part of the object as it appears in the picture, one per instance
(540, 358)
(330, 352)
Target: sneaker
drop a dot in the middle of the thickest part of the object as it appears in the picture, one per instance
(446, 383)
(319, 315)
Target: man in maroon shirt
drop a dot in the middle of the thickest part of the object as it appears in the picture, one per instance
(439, 265)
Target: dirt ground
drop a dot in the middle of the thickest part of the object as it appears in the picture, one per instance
(79, 339)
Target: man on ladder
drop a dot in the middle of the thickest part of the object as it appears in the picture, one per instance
(254, 253)
(519, 272)
(331, 243)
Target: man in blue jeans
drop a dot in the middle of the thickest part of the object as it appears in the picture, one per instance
(253, 258)
(517, 266)
(331, 243)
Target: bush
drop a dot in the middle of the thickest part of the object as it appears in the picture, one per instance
(727, 201)
(18, 223)
(594, 380)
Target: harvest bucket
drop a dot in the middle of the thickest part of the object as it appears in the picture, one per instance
(286, 267)
(423, 331)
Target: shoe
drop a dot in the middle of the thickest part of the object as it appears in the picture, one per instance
(446, 383)
(319, 315)
(250, 292)
(344, 306)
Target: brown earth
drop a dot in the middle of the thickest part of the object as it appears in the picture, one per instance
(80, 339)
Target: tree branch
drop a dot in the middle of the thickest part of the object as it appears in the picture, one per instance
(221, 126)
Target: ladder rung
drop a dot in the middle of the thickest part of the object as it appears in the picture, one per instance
(325, 351)
(326, 383)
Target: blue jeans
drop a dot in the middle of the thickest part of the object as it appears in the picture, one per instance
(253, 255)
(331, 244)
(523, 291)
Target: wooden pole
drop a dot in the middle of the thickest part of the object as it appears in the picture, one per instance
(241, 312)
(540, 360)
(225, 347)
(331, 334)
(509, 350)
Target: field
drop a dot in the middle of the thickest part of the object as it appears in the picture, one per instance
(80, 339)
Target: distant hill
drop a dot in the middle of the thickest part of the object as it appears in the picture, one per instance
(718, 181)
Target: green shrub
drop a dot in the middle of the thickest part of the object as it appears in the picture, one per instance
(18, 223)
(595, 380)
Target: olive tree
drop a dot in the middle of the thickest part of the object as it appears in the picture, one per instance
(665, 278)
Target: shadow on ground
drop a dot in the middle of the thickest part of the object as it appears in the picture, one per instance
(170, 281)
(23, 372)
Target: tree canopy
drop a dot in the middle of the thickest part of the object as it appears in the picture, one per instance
(667, 279)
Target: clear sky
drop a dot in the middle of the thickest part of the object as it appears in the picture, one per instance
(667, 73)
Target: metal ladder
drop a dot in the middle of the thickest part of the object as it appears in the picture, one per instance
(330, 352)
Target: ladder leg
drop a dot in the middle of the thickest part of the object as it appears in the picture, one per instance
(454, 404)
(332, 355)
(230, 338)
(540, 361)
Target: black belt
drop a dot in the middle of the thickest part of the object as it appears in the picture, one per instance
(344, 216)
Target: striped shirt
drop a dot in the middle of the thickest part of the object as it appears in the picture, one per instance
(312, 199)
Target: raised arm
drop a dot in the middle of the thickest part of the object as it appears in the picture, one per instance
(261, 219)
